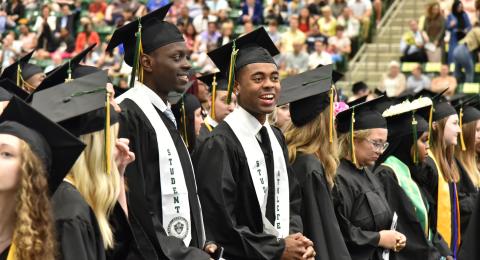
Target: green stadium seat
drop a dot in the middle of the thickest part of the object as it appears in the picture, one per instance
(408, 66)
(470, 88)
(431, 67)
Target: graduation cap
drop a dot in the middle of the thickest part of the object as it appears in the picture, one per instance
(360, 117)
(467, 113)
(215, 82)
(357, 101)
(181, 104)
(309, 93)
(405, 118)
(64, 72)
(254, 47)
(144, 35)
(81, 106)
(56, 147)
(13, 89)
(358, 86)
(21, 70)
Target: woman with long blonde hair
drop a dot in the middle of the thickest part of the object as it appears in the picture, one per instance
(442, 173)
(466, 157)
(313, 156)
(88, 195)
(34, 154)
(362, 210)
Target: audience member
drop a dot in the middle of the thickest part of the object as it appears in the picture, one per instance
(443, 81)
(458, 24)
(418, 81)
(297, 60)
(327, 23)
(433, 24)
(252, 11)
(320, 56)
(337, 7)
(393, 82)
(293, 34)
(412, 44)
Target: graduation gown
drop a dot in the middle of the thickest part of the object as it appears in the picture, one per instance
(125, 246)
(418, 246)
(232, 215)
(469, 250)
(77, 228)
(318, 217)
(144, 190)
(467, 195)
(204, 133)
(362, 211)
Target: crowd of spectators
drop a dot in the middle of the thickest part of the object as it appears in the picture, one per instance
(308, 32)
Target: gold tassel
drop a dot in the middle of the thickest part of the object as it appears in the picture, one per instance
(19, 75)
(231, 72)
(330, 130)
(354, 158)
(214, 90)
(108, 150)
(12, 252)
(462, 140)
(137, 68)
(415, 137)
(430, 118)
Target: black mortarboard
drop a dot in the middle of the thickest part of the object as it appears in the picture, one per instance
(5, 95)
(11, 72)
(378, 92)
(184, 112)
(254, 47)
(29, 70)
(56, 147)
(215, 82)
(218, 78)
(432, 95)
(144, 35)
(366, 117)
(442, 110)
(78, 105)
(360, 117)
(467, 113)
(13, 89)
(405, 118)
(63, 73)
(308, 93)
(357, 101)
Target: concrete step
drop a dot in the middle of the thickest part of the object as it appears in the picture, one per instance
(382, 47)
(379, 56)
(369, 66)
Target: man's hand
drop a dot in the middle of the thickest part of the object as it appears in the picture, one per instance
(298, 247)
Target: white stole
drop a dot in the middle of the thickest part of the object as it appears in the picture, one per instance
(245, 127)
(210, 121)
(175, 203)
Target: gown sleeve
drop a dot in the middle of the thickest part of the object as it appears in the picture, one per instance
(218, 187)
(78, 240)
(343, 198)
(319, 220)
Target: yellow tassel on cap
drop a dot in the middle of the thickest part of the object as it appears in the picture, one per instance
(330, 130)
(108, 150)
(430, 118)
(462, 140)
(354, 158)
(214, 90)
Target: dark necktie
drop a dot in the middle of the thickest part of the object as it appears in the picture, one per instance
(267, 151)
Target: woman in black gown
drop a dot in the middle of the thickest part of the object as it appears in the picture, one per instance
(466, 158)
(363, 213)
(94, 189)
(397, 169)
(314, 158)
(35, 154)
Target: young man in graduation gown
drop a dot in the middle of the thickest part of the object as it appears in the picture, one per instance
(219, 108)
(250, 199)
(164, 212)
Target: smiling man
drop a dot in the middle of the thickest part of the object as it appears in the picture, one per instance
(164, 210)
(250, 199)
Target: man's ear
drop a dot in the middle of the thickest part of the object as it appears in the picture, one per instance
(236, 88)
(147, 62)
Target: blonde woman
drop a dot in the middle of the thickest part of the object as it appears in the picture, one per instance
(87, 197)
(442, 173)
(280, 117)
(362, 211)
(314, 160)
(34, 154)
(467, 161)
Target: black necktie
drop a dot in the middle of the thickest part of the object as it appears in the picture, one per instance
(267, 151)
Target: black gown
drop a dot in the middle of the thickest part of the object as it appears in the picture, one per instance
(77, 229)
(467, 195)
(144, 190)
(232, 216)
(418, 246)
(204, 133)
(318, 217)
(469, 250)
(362, 211)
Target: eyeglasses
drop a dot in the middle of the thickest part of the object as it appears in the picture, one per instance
(379, 146)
